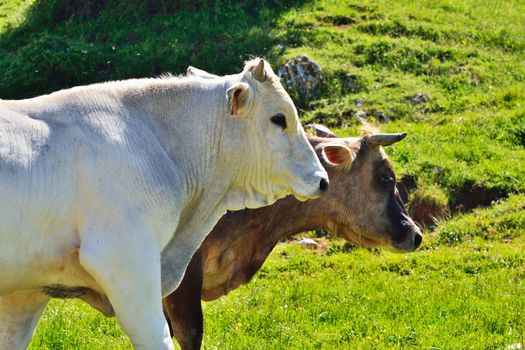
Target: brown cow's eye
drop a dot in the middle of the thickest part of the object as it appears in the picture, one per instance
(387, 180)
(280, 120)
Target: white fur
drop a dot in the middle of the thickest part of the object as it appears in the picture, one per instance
(114, 186)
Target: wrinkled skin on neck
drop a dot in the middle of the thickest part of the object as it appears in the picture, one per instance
(356, 207)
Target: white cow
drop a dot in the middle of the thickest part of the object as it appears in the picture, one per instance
(106, 188)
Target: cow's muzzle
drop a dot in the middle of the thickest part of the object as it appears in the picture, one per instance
(312, 188)
(412, 241)
(418, 238)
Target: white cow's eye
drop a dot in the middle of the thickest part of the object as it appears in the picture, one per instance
(280, 120)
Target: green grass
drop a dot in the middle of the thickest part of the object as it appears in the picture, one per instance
(480, 148)
(503, 221)
(468, 64)
(12, 12)
(72, 324)
(466, 147)
(462, 150)
(443, 297)
(66, 43)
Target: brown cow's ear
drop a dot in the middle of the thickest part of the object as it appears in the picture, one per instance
(238, 98)
(336, 154)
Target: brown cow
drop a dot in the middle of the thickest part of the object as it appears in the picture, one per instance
(362, 205)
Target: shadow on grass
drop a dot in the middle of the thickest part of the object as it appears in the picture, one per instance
(63, 43)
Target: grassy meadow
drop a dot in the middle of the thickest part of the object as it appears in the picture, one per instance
(450, 73)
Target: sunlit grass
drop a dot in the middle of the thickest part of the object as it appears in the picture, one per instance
(12, 12)
(464, 289)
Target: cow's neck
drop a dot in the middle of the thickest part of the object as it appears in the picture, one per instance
(192, 121)
(192, 124)
(186, 119)
(241, 242)
(292, 217)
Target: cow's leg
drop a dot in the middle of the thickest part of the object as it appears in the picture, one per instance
(125, 262)
(183, 307)
(19, 315)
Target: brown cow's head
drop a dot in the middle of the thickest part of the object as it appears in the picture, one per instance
(363, 205)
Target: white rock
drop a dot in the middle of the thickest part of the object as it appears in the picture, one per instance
(308, 243)
(301, 75)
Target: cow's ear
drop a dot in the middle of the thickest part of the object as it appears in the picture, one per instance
(322, 131)
(338, 154)
(238, 96)
(196, 72)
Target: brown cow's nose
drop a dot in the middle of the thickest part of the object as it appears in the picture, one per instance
(323, 185)
(417, 240)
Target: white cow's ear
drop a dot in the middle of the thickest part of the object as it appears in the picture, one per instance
(322, 131)
(238, 98)
(196, 72)
(338, 154)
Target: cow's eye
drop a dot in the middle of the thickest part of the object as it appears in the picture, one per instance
(280, 120)
(386, 180)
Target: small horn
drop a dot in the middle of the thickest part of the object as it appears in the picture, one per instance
(385, 139)
(259, 73)
(196, 72)
(321, 130)
(191, 70)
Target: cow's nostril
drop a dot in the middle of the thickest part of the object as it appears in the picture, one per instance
(323, 185)
(417, 240)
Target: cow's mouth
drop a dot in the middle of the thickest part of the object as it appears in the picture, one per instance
(383, 240)
(359, 239)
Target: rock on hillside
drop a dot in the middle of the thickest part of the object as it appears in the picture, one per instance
(301, 76)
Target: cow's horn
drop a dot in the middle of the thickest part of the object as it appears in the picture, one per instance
(259, 73)
(385, 139)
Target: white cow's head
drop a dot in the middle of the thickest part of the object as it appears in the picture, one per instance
(277, 158)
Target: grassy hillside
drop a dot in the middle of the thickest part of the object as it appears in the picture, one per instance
(450, 73)
(64, 43)
(467, 133)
